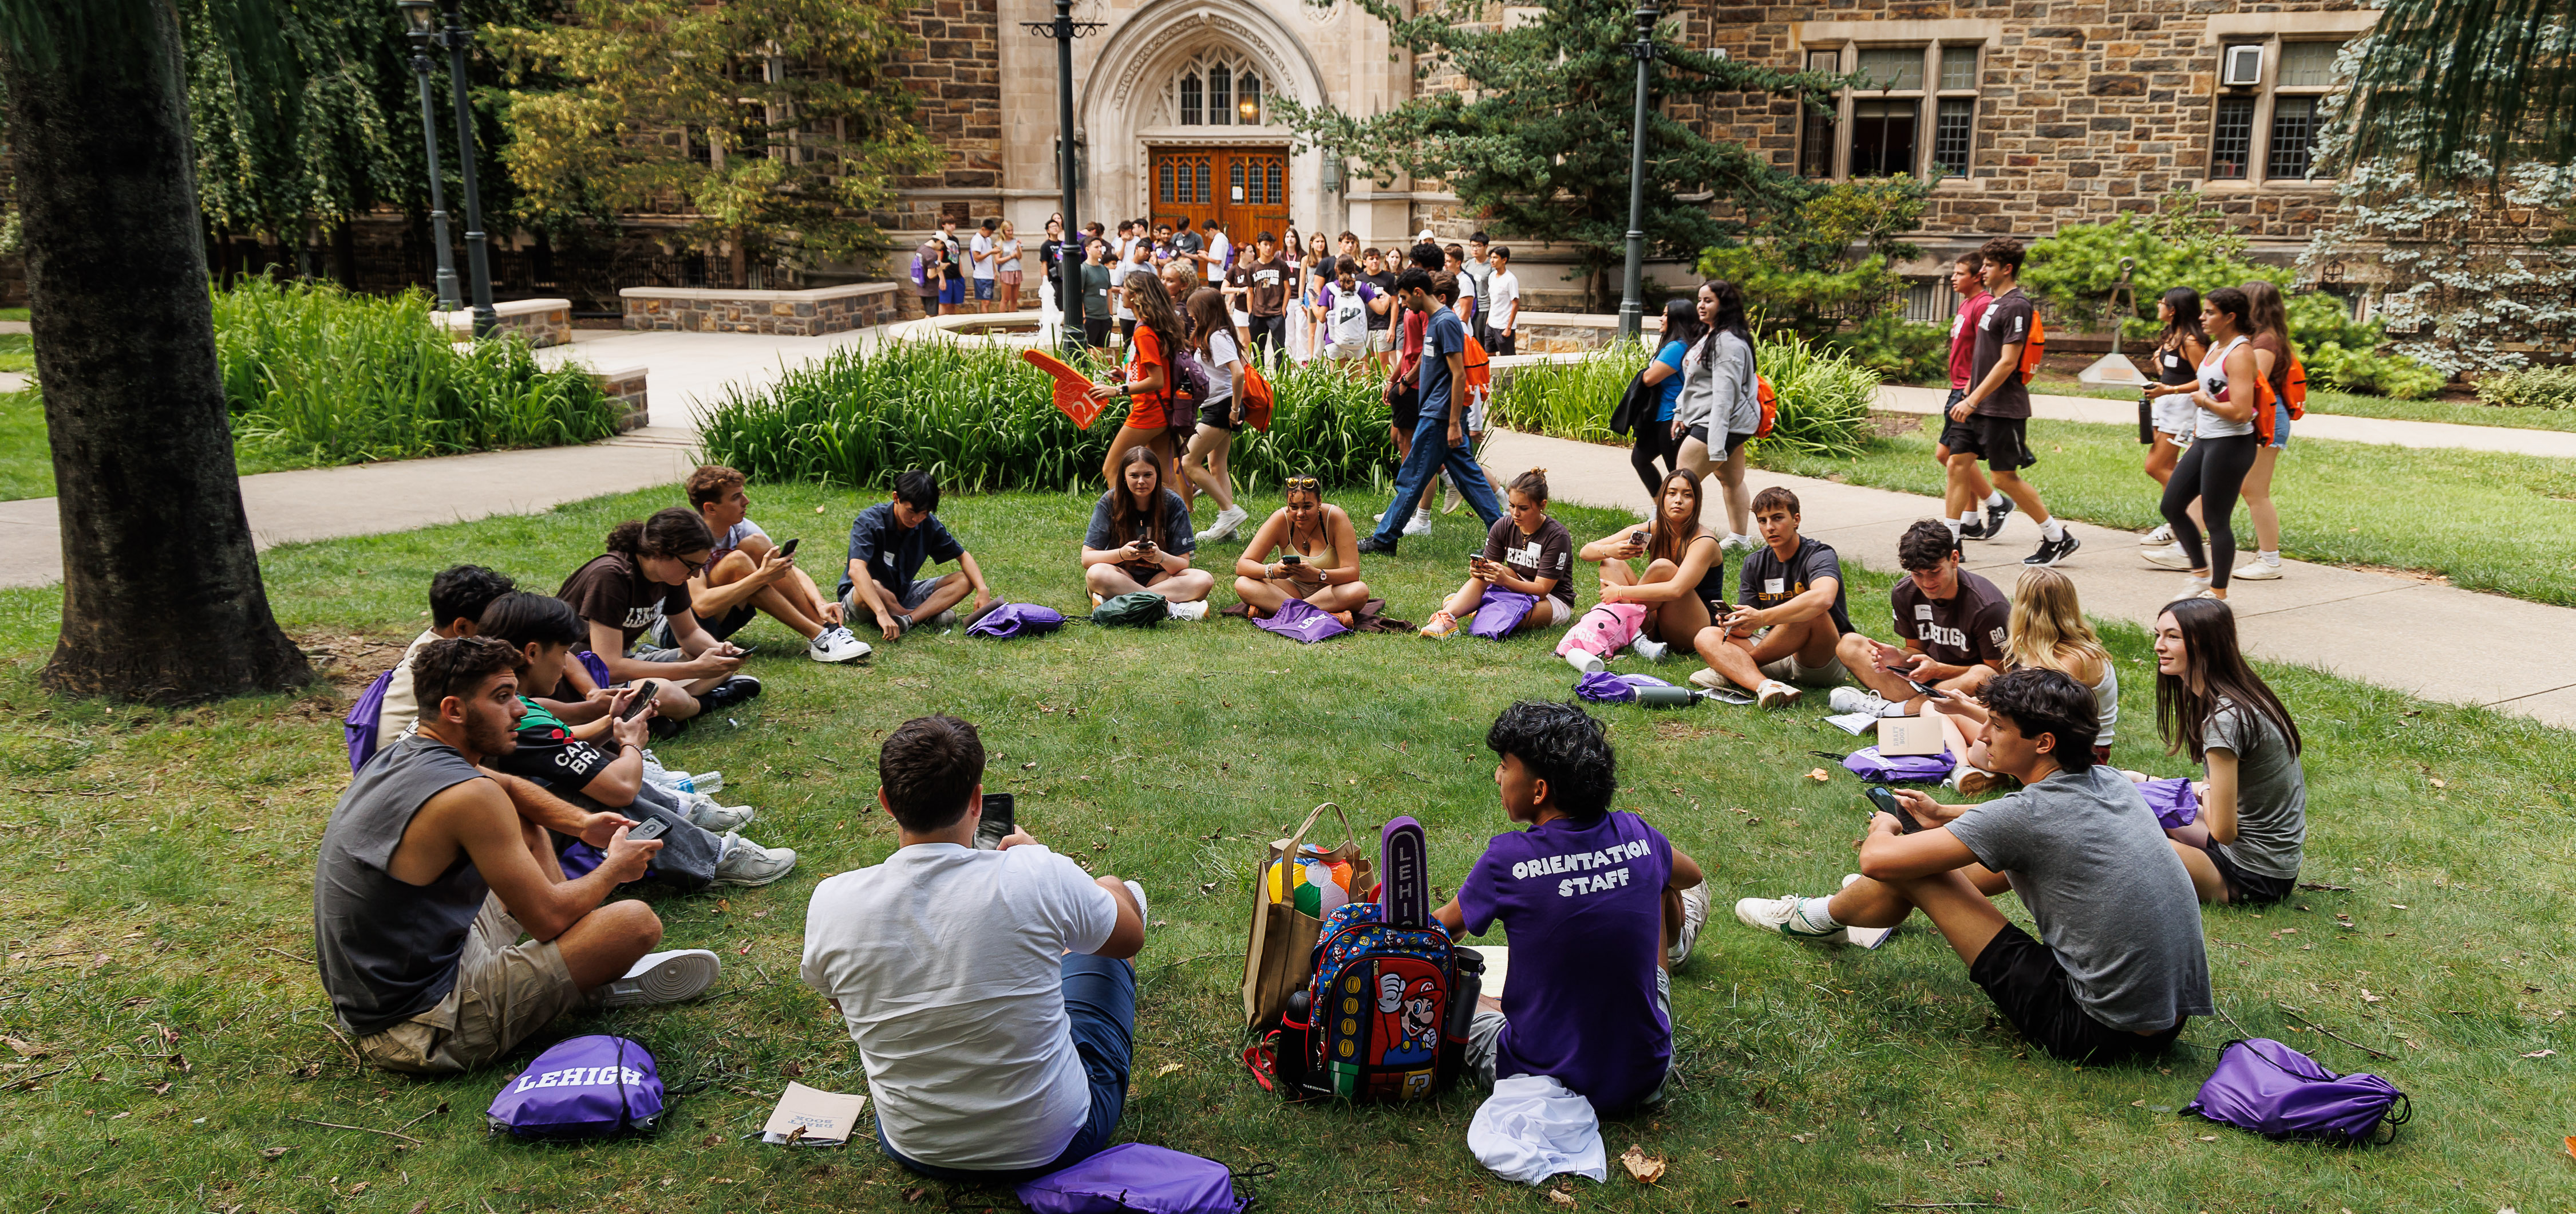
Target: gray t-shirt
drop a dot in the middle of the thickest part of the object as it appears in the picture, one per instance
(2271, 791)
(387, 948)
(2112, 900)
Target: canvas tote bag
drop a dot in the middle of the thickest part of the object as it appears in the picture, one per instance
(1279, 958)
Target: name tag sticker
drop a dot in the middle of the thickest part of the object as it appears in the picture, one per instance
(1923, 611)
(1773, 585)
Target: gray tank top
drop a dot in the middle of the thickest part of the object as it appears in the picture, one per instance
(387, 948)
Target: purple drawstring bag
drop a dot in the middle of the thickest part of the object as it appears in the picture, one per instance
(1299, 620)
(360, 724)
(1877, 768)
(2278, 1092)
(1007, 620)
(2173, 800)
(585, 1087)
(1502, 611)
(1136, 1176)
(597, 666)
(1603, 687)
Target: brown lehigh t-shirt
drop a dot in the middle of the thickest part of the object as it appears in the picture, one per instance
(1269, 294)
(1549, 553)
(1967, 629)
(613, 590)
(2007, 321)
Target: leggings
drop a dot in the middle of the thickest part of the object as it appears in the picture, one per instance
(1654, 441)
(2212, 470)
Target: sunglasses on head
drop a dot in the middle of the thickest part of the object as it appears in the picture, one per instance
(1306, 484)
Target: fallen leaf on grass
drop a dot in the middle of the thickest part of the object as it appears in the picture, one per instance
(274, 1152)
(1647, 1169)
(1560, 1197)
(2542, 1054)
(1818, 775)
(1166, 1069)
(1802, 1138)
(1741, 1202)
(2397, 906)
(24, 1049)
(2209, 1138)
(360, 1187)
(914, 1194)
(161, 1089)
(422, 1207)
(744, 951)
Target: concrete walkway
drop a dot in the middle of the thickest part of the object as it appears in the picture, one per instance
(364, 499)
(2363, 626)
(1895, 398)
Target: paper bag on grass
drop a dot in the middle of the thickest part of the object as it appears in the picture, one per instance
(813, 1117)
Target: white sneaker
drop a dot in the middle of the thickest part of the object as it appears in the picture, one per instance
(1736, 543)
(2257, 570)
(1781, 915)
(1144, 910)
(1706, 678)
(1652, 651)
(1585, 663)
(705, 814)
(679, 974)
(1224, 527)
(2168, 558)
(1694, 917)
(835, 644)
(748, 863)
(1776, 694)
(1862, 700)
(1421, 524)
(1190, 611)
(2158, 538)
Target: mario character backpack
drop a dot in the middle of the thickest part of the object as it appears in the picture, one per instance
(1379, 1014)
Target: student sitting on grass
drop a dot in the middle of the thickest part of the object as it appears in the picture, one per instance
(1684, 585)
(1954, 623)
(2253, 822)
(2049, 632)
(1141, 539)
(990, 993)
(1526, 552)
(751, 575)
(457, 597)
(702, 846)
(1598, 906)
(1788, 631)
(2122, 968)
(889, 543)
(640, 586)
(431, 870)
(1326, 571)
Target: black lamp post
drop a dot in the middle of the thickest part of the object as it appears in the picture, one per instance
(417, 18)
(1633, 290)
(1064, 29)
(456, 37)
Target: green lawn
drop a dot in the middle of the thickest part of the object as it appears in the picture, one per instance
(2503, 523)
(2468, 412)
(27, 460)
(17, 352)
(155, 899)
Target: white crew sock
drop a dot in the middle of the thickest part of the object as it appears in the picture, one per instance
(1816, 913)
(1955, 524)
(1995, 499)
(2053, 529)
(2268, 558)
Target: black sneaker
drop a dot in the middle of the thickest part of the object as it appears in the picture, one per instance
(1995, 516)
(1373, 544)
(736, 690)
(1973, 529)
(2052, 551)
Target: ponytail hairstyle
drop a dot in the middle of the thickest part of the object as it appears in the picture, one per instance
(1667, 539)
(1532, 485)
(1681, 321)
(1127, 522)
(2237, 308)
(2271, 315)
(2048, 629)
(1730, 319)
(669, 533)
(2215, 672)
(2185, 303)
(1153, 308)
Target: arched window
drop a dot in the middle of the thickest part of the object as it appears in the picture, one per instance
(1219, 88)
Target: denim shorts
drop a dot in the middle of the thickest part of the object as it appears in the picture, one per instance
(983, 288)
(2280, 425)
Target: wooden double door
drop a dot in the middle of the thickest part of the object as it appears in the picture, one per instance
(1246, 189)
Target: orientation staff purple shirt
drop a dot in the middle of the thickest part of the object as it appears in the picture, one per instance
(1583, 907)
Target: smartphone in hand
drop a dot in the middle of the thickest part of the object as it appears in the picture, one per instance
(1885, 801)
(650, 828)
(644, 693)
(998, 823)
(789, 548)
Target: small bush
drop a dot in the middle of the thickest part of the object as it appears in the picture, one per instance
(982, 420)
(2531, 388)
(1824, 396)
(2360, 371)
(1897, 350)
(1570, 399)
(315, 374)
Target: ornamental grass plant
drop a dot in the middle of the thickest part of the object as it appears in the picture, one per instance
(1824, 397)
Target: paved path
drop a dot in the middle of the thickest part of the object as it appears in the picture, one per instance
(364, 499)
(1896, 398)
(2362, 626)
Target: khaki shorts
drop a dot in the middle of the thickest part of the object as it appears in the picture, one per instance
(1381, 340)
(1343, 352)
(505, 991)
(1798, 674)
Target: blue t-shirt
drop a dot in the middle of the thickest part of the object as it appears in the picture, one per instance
(1444, 336)
(893, 554)
(1670, 356)
(1584, 910)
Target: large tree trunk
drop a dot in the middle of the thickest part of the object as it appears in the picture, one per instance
(162, 598)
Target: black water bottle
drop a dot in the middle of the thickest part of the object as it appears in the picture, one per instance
(1296, 1045)
(1469, 966)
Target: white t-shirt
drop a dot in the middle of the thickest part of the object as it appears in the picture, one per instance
(1466, 305)
(1221, 355)
(979, 246)
(1504, 288)
(401, 706)
(1220, 250)
(947, 963)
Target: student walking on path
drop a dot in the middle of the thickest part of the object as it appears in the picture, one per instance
(1213, 344)
(2223, 446)
(2178, 353)
(1658, 438)
(1992, 421)
(1720, 408)
(1440, 436)
(2273, 354)
(1967, 281)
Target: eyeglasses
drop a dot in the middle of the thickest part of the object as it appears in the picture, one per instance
(1305, 484)
(694, 567)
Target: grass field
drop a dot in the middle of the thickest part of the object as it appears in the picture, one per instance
(2487, 521)
(169, 1047)
(2463, 412)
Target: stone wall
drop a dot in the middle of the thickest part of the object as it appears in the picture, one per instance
(956, 70)
(626, 385)
(784, 313)
(541, 322)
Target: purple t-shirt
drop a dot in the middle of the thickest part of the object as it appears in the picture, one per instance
(1583, 907)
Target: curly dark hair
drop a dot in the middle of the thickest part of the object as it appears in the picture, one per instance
(2039, 701)
(1924, 544)
(462, 592)
(1565, 746)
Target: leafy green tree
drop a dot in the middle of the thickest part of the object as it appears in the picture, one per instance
(1820, 263)
(770, 127)
(286, 154)
(2461, 90)
(1542, 151)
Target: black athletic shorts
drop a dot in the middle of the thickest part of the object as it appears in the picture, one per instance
(1406, 405)
(720, 629)
(2001, 442)
(2248, 888)
(1733, 441)
(1218, 413)
(2029, 986)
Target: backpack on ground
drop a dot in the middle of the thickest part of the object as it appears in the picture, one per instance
(1605, 687)
(1870, 765)
(1004, 621)
(2035, 349)
(1142, 609)
(1384, 1016)
(1141, 1177)
(361, 723)
(586, 1087)
(2278, 1092)
(1770, 402)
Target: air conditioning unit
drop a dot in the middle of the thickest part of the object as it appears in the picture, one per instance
(2242, 67)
